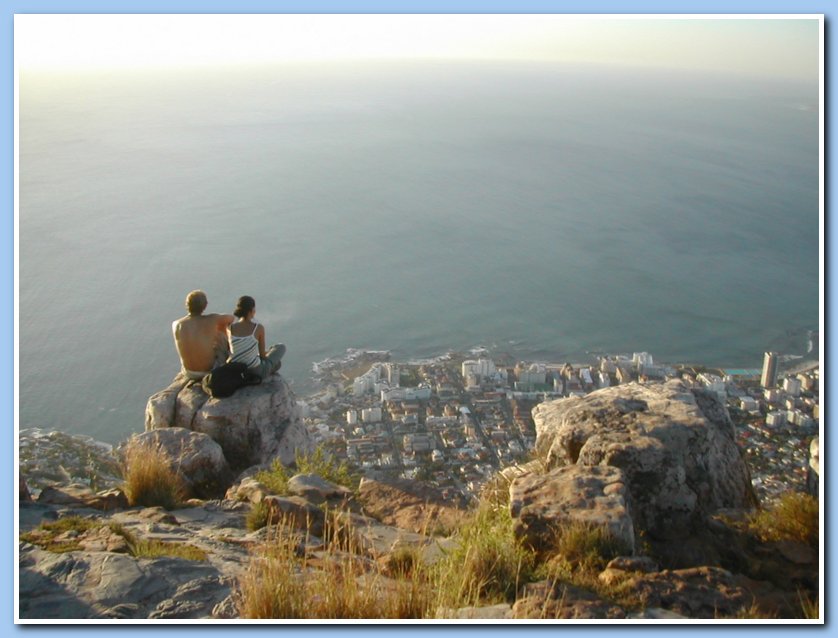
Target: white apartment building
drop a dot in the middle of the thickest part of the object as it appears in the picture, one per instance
(776, 419)
(371, 415)
(480, 367)
(749, 404)
(792, 385)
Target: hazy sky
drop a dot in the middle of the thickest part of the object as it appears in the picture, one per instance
(782, 47)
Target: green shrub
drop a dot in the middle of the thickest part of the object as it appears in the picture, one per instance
(318, 462)
(257, 517)
(794, 517)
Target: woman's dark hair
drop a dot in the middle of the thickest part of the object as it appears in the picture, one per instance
(244, 305)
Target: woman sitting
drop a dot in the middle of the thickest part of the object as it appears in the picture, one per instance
(247, 341)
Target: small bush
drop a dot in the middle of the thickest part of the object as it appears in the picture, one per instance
(318, 462)
(794, 517)
(150, 480)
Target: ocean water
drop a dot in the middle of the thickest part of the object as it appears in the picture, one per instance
(541, 210)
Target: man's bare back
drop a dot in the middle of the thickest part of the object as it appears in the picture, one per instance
(200, 338)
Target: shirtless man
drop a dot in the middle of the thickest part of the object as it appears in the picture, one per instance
(201, 340)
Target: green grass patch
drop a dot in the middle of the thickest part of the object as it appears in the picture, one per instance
(160, 549)
(142, 548)
(318, 462)
(488, 565)
(47, 536)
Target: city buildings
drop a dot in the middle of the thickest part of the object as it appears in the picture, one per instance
(456, 423)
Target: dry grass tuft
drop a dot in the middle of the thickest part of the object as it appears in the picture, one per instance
(283, 582)
(149, 478)
(488, 565)
(587, 547)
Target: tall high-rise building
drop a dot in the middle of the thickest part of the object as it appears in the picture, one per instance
(769, 370)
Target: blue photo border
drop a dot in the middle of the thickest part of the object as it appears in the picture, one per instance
(7, 257)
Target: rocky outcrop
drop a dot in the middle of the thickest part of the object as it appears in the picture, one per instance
(57, 458)
(194, 456)
(254, 426)
(673, 445)
(80, 495)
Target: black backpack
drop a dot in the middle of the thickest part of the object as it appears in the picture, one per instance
(225, 380)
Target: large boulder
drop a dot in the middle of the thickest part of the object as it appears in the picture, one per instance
(674, 445)
(254, 426)
(194, 456)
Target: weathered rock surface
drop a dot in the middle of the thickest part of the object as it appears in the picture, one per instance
(699, 592)
(557, 600)
(317, 489)
(83, 496)
(296, 513)
(254, 426)
(57, 458)
(194, 456)
(571, 494)
(674, 446)
(103, 581)
(410, 505)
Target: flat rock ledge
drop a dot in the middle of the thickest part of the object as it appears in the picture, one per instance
(102, 580)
